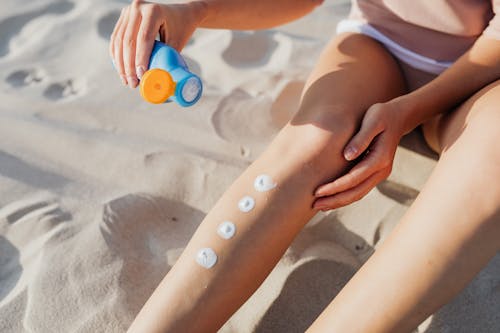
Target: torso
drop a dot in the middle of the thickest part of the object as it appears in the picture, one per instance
(439, 29)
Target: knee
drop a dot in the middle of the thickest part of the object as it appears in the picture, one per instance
(319, 132)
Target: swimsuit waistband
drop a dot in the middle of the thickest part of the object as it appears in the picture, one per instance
(407, 56)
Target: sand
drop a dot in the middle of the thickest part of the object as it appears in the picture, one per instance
(100, 191)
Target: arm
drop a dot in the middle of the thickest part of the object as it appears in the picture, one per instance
(251, 15)
(475, 69)
(385, 123)
(140, 22)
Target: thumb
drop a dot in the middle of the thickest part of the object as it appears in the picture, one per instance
(370, 128)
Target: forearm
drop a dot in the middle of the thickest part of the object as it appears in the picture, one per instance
(253, 14)
(475, 69)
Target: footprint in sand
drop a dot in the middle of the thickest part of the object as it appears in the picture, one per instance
(11, 26)
(147, 225)
(10, 267)
(32, 217)
(62, 90)
(17, 169)
(147, 233)
(241, 107)
(27, 211)
(263, 115)
(55, 91)
(249, 49)
(25, 77)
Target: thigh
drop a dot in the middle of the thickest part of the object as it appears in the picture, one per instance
(475, 119)
(352, 73)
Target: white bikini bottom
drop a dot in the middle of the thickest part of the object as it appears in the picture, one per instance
(411, 58)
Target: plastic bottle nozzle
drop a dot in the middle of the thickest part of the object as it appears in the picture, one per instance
(188, 90)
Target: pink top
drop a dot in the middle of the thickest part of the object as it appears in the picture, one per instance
(439, 29)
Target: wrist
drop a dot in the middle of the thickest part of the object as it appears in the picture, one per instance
(200, 9)
(405, 106)
(203, 9)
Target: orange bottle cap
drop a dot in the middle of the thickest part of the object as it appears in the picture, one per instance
(157, 86)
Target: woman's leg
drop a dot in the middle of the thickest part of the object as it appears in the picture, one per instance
(450, 232)
(353, 73)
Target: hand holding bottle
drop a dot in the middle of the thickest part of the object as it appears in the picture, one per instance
(140, 22)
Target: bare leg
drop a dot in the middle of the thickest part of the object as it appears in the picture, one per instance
(353, 73)
(451, 231)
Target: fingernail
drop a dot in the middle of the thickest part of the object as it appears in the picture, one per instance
(140, 71)
(132, 82)
(124, 80)
(350, 153)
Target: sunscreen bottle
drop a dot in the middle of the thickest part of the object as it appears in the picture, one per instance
(169, 79)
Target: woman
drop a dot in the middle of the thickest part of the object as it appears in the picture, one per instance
(395, 65)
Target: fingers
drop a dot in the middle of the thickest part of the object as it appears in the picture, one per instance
(117, 44)
(129, 46)
(377, 134)
(370, 128)
(378, 158)
(145, 40)
(132, 40)
(354, 194)
(354, 177)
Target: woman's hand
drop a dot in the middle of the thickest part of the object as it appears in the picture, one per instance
(376, 143)
(135, 31)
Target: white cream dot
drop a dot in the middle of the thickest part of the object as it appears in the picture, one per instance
(264, 183)
(206, 257)
(226, 229)
(246, 204)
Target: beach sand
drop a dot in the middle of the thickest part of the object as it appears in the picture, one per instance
(100, 191)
